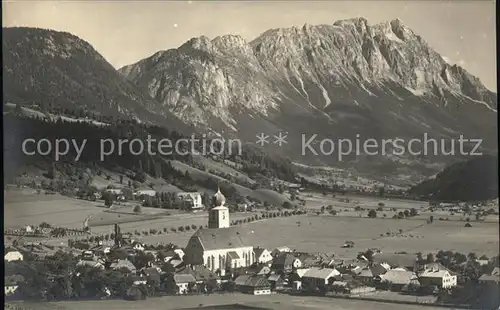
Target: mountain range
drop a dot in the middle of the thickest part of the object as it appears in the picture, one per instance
(345, 80)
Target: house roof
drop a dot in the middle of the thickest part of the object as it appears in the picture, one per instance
(274, 277)
(301, 272)
(254, 281)
(429, 273)
(13, 280)
(282, 249)
(241, 280)
(373, 271)
(258, 281)
(221, 238)
(199, 272)
(496, 271)
(307, 259)
(320, 273)
(123, 263)
(490, 278)
(398, 276)
(184, 278)
(151, 271)
(396, 260)
(233, 255)
(258, 251)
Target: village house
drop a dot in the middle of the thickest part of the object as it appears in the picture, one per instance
(200, 273)
(12, 283)
(439, 278)
(279, 250)
(396, 280)
(152, 274)
(277, 282)
(307, 260)
(368, 274)
(262, 255)
(123, 264)
(318, 278)
(220, 246)
(255, 285)
(491, 279)
(91, 263)
(13, 255)
(407, 261)
(190, 200)
(145, 192)
(286, 262)
(183, 282)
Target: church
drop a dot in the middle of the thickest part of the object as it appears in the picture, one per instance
(220, 246)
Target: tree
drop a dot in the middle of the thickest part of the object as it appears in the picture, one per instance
(472, 256)
(287, 205)
(108, 199)
(413, 212)
(121, 179)
(406, 213)
(431, 219)
(323, 209)
(381, 191)
(430, 258)
(420, 258)
(372, 214)
(137, 209)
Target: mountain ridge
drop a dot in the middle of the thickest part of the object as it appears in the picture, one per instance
(348, 77)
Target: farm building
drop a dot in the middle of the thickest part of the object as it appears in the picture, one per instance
(397, 279)
(439, 278)
(255, 285)
(318, 277)
(190, 200)
(183, 281)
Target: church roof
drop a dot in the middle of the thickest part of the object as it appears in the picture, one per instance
(218, 199)
(221, 238)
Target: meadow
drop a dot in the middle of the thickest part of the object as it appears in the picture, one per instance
(25, 207)
(311, 233)
(275, 301)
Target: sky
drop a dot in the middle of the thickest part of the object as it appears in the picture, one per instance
(124, 32)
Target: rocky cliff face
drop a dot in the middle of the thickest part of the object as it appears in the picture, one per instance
(347, 78)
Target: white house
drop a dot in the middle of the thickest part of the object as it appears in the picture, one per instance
(440, 278)
(182, 282)
(29, 229)
(191, 200)
(145, 192)
(220, 246)
(13, 256)
(114, 191)
(262, 255)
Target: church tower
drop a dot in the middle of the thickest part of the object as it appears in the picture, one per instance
(218, 216)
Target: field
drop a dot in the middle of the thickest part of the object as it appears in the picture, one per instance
(25, 207)
(277, 302)
(311, 233)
